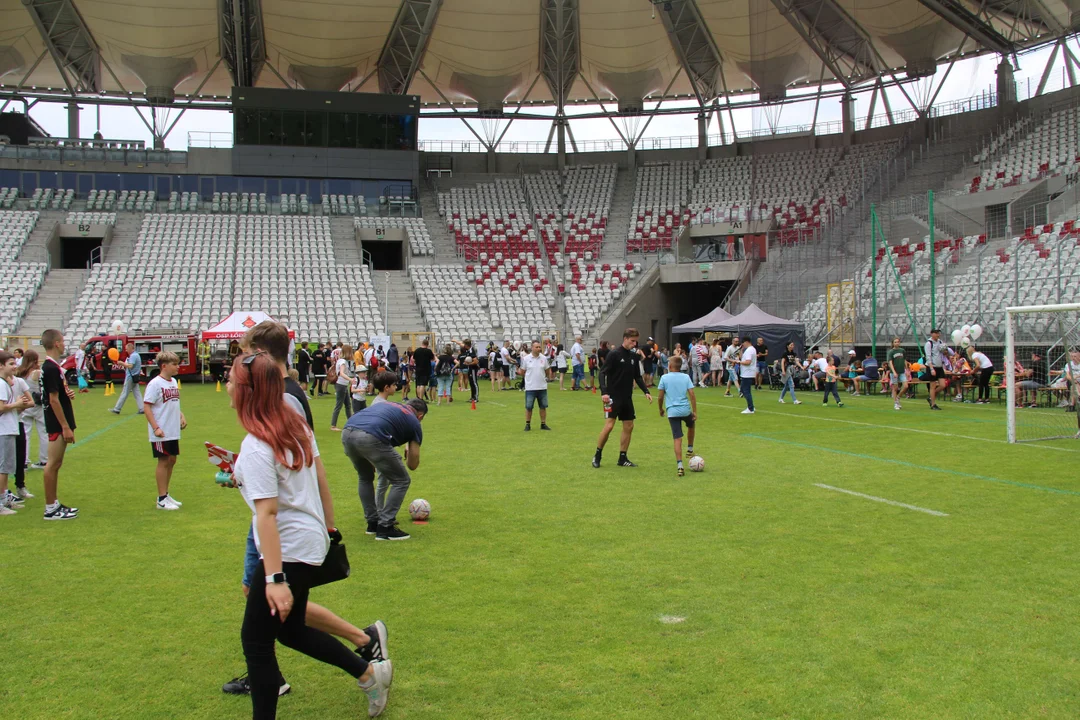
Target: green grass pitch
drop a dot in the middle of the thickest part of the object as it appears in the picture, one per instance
(543, 588)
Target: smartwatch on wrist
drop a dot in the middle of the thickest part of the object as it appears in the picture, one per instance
(276, 579)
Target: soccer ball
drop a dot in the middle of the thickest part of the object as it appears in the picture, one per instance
(420, 509)
(697, 463)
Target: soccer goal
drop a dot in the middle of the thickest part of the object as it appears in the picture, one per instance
(1043, 400)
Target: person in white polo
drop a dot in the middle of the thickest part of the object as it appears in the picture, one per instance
(534, 367)
(747, 372)
(577, 362)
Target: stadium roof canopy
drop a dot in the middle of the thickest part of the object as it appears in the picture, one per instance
(489, 53)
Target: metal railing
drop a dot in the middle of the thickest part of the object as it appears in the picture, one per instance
(207, 139)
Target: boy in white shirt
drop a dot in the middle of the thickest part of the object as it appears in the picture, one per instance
(161, 403)
(359, 390)
(11, 404)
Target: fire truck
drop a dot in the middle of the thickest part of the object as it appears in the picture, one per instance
(148, 344)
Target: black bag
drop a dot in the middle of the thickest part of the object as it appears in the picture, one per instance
(444, 368)
(335, 566)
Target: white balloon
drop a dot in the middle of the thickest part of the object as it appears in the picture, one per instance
(976, 331)
(966, 341)
(957, 336)
(966, 330)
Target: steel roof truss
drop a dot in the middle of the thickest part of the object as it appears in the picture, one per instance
(405, 44)
(69, 41)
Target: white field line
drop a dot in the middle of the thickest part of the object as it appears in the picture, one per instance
(916, 508)
(939, 433)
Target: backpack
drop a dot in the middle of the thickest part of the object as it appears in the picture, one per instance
(444, 368)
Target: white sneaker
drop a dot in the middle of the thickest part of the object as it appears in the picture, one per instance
(5, 510)
(379, 693)
(167, 504)
(782, 401)
(175, 501)
(23, 493)
(896, 406)
(38, 466)
(13, 501)
(747, 411)
(798, 402)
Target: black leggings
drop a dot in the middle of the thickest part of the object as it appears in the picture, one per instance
(261, 629)
(20, 458)
(984, 382)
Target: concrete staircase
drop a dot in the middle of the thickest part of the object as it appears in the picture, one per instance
(441, 239)
(622, 201)
(343, 233)
(394, 293)
(124, 236)
(54, 303)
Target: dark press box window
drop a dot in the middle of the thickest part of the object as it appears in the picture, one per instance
(369, 131)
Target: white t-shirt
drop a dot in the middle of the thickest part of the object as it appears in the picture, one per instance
(9, 421)
(750, 370)
(80, 360)
(820, 365)
(505, 352)
(300, 520)
(574, 352)
(560, 359)
(292, 352)
(981, 361)
(164, 396)
(731, 353)
(342, 367)
(535, 367)
(359, 387)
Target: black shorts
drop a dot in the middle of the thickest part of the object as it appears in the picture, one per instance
(939, 376)
(165, 448)
(649, 367)
(422, 380)
(302, 375)
(563, 370)
(621, 410)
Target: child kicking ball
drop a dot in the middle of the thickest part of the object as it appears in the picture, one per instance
(165, 421)
(677, 399)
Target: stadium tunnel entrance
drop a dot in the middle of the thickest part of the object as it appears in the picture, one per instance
(385, 247)
(76, 247)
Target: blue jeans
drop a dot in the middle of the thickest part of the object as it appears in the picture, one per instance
(746, 384)
(789, 387)
(251, 557)
(445, 383)
(579, 375)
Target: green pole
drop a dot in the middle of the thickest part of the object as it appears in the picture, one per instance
(933, 264)
(873, 280)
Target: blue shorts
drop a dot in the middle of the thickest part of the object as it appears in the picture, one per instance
(539, 396)
(761, 367)
(579, 372)
(251, 558)
(677, 423)
(901, 377)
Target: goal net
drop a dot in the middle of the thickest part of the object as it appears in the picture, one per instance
(1042, 372)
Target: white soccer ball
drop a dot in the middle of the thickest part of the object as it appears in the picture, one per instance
(697, 463)
(419, 509)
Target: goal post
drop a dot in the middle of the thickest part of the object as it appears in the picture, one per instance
(1046, 398)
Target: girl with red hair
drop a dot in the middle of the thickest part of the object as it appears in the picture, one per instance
(275, 471)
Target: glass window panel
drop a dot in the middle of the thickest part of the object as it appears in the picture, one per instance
(292, 127)
(315, 129)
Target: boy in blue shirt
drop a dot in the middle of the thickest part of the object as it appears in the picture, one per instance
(677, 398)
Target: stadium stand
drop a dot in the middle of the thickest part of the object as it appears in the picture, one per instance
(91, 218)
(19, 281)
(449, 303)
(183, 202)
(45, 198)
(659, 195)
(516, 293)
(180, 276)
(588, 205)
(1051, 147)
(416, 229)
(344, 205)
(8, 195)
(286, 266)
(592, 288)
(489, 218)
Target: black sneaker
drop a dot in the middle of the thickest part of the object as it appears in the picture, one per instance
(376, 649)
(241, 686)
(114, 411)
(391, 532)
(372, 528)
(625, 462)
(596, 461)
(544, 426)
(62, 512)
(527, 427)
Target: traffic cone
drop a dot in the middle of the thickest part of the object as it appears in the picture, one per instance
(108, 389)
(594, 389)
(178, 384)
(473, 404)
(218, 386)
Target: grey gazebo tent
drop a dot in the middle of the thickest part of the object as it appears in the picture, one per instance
(755, 322)
(718, 315)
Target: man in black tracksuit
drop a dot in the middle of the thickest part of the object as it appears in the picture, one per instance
(620, 372)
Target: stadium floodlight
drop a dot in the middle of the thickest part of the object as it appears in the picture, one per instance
(1043, 402)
